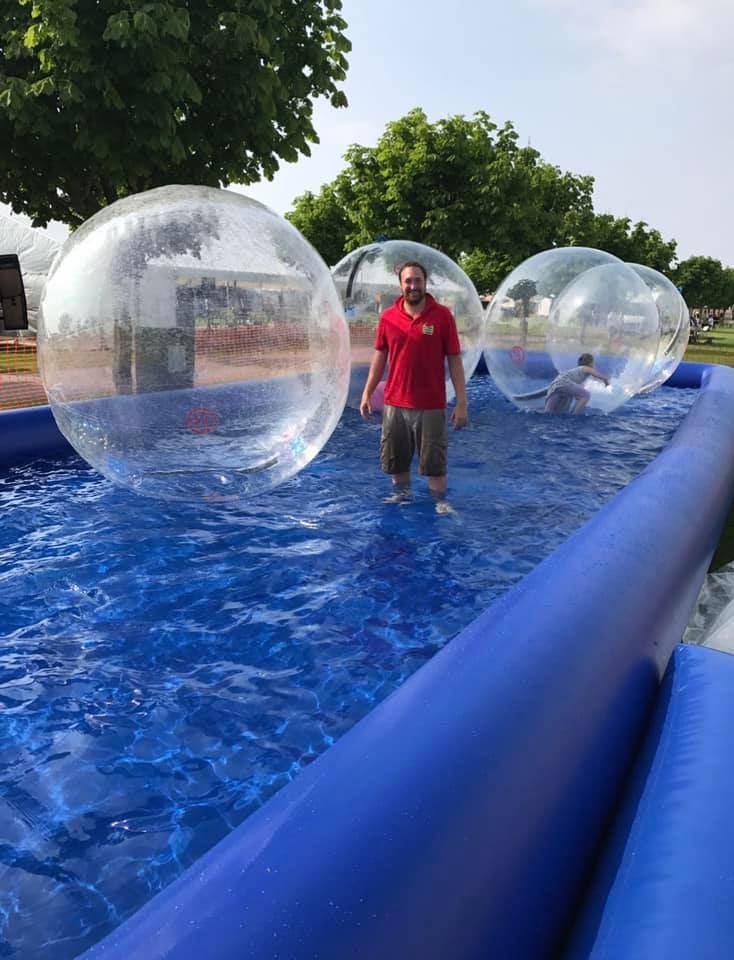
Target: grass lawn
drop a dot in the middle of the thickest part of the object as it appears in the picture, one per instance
(718, 349)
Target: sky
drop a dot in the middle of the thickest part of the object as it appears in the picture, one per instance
(635, 93)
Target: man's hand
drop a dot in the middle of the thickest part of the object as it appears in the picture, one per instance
(365, 407)
(459, 416)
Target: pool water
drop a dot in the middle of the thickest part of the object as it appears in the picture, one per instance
(166, 668)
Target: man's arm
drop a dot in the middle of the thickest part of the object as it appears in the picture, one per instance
(593, 372)
(377, 368)
(460, 414)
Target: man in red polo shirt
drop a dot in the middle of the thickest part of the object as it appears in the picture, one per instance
(415, 336)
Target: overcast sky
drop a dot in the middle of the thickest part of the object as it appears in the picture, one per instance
(636, 93)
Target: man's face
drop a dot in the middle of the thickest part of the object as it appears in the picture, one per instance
(413, 285)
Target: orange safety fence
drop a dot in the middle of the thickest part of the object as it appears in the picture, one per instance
(20, 381)
(21, 385)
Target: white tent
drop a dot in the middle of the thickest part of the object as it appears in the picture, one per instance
(36, 251)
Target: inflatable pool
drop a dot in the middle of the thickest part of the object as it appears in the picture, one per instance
(555, 780)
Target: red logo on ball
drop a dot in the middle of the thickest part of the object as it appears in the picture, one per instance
(517, 355)
(201, 420)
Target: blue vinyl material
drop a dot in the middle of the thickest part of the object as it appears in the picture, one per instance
(687, 375)
(30, 433)
(460, 818)
(540, 365)
(665, 888)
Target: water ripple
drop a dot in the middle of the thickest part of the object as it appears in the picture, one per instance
(166, 668)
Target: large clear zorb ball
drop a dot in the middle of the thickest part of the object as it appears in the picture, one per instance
(192, 345)
(608, 312)
(367, 281)
(674, 324)
(518, 351)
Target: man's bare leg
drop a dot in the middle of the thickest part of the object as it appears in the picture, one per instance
(400, 488)
(437, 487)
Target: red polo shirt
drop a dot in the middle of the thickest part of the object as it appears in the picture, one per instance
(416, 349)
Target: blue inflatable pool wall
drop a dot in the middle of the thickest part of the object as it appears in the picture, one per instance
(555, 782)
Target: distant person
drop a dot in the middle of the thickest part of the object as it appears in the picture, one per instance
(416, 337)
(568, 390)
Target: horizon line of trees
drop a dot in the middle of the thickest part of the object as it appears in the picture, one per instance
(99, 101)
(468, 188)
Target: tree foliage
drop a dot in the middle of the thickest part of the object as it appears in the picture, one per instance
(633, 243)
(464, 186)
(524, 291)
(102, 98)
(705, 282)
(468, 188)
(324, 221)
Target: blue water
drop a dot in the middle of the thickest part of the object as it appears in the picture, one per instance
(166, 668)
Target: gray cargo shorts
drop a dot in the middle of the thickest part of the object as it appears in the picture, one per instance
(407, 432)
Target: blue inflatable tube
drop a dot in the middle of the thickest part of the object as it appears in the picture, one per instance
(666, 885)
(687, 375)
(30, 433)
(460, 818)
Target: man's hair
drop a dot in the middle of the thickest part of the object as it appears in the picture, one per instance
(586, 360)
(412, 263)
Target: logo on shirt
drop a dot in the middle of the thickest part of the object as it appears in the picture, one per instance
(428, 329)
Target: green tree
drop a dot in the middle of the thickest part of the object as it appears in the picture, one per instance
(486, 268)
(728, 298)
(102, 98)
(463, 186)
(524, 291)
(704, 282)
(633, 243)
(323, 220)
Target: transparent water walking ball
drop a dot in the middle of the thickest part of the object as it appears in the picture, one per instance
(621, 332)
(559, 304)
(192, 345)
(674, 324)
(367, 281)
